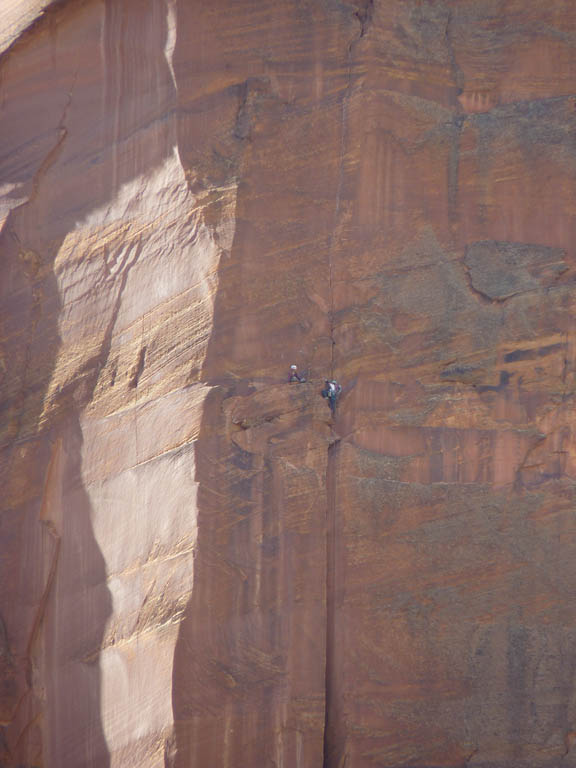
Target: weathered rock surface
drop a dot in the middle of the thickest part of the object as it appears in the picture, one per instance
(199, 566)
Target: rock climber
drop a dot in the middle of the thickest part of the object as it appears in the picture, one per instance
(332, 391)
(295, 376)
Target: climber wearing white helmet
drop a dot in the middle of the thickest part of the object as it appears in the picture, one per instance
(295, 376)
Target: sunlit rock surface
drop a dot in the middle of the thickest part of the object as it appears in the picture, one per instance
(199, 566)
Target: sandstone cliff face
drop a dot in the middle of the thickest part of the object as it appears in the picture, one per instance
(199, 566)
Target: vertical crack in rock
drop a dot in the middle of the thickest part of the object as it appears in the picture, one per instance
(331, 536)
(51, 157)
(34, 632)
(458, 122)
(456, 129)
(37, 621)
(4, 642)
(51, 528)
(457, 73)
(362, 16)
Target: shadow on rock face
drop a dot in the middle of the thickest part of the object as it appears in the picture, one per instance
(56, 615)
(76, 97)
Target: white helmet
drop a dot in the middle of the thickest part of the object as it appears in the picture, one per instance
(293, 367)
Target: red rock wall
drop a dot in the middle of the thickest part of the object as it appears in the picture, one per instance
(199, 566)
